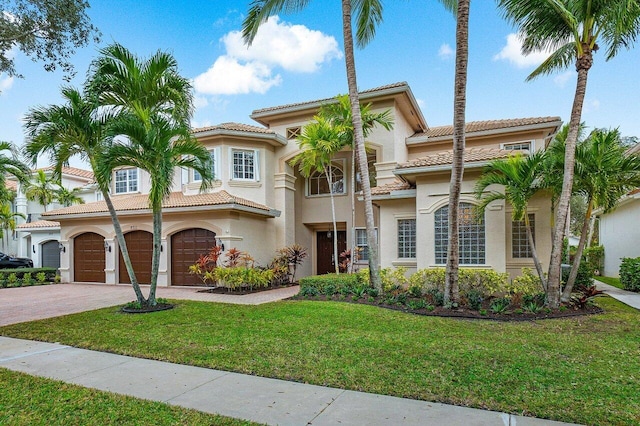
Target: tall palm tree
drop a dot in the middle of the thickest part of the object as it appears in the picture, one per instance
(319, 141)
(339, 114)
(8, 222)
(40, 189)
(574, 30)
(457, 165)
(68, 197)
(11, 165)
(603, 174)
(368, 16)
(521, 178)
(64, 131)
(150, 104)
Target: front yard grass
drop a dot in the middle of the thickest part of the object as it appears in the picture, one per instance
(583, 369)
(29, 400)
(611, 281)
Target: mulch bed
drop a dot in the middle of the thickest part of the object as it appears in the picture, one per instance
(466, 313)
(147, 309)
(242, 291)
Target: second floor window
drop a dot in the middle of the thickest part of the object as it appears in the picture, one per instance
(244, 164)
(318, 184)
(197, 177)
(126, 181)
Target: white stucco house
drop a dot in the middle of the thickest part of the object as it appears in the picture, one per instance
(260, 203)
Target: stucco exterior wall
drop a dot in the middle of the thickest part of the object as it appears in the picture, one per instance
(620, 236)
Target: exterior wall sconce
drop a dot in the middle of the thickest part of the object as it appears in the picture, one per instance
(60, 246)
(33, 248)
(107, 246)
(221, 244)
(328, 234)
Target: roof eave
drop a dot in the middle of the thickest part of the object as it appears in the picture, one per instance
(396, 195)
(408, 171)
(272, 138)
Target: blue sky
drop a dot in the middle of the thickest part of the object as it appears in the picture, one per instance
(299, 57)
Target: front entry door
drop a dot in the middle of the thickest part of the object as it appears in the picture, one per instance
(324, 250)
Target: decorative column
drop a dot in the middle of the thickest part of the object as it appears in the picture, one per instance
(284, 197)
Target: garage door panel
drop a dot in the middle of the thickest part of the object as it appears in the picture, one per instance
(89, 258)
(186, 247)
(140, 247)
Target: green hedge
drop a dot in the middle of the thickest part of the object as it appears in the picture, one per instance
(329, 284)
(49, 272)
(630, 273)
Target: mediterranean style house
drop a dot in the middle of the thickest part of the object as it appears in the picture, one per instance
(260, 203)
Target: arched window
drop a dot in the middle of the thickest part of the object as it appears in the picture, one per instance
(471, 232)
(317, 183)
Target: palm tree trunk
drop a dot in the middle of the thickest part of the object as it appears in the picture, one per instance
(562, 211)
(327, 172)
(457, 166)
(534, 253)
(566, 294)
(358, 139)
(592, 224)
(155, 258)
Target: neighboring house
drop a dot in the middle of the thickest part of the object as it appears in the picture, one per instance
(36, 238)
(259, 203)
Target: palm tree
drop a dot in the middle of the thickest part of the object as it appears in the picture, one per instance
(150, 104)
(457, 165)
(8, 222)
(339, 114)
(521, 178)
(40, 189)
(68, 197)
(603, 174)
(368, 16)
(64, 131)
(574, 30)
(12, 166)
(319, 141)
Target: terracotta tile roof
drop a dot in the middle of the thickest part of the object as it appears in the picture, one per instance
(471, 155)
(279, 107)
(11, 184)
(39, 224)
(237, 127)
(141, 202)
(480, 126)
(386, 189)
(73, 171)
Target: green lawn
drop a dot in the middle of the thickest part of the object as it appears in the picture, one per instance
(611, 281)
(29, 400)
(583, 370)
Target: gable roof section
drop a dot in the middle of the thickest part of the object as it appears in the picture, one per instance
(72, 171)
(396, 185)
(38, 224)
(401, 90)
(473, 157)
(241, 130)
(480, 128)
(176, 201)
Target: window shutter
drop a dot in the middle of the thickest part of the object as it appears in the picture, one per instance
(256, 164)
(216, 163)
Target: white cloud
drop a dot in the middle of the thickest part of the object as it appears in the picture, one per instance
(512, 52)
(200, 124)
(200, 101)
(5, 83)
(562, 79)
(445, 51)
(294, 48)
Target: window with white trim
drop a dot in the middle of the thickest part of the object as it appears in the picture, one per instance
(520, 248)
(318, 184)
(471, 234)
(214, 167)
(517, 146)
(362, 244)
(406, 238)
(126, 180)
(244, 163)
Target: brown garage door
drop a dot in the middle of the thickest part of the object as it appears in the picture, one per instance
(88, 258)
(140, 246)
(186, 247)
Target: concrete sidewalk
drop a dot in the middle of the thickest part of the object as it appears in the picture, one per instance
(237, 395)
(627, 297)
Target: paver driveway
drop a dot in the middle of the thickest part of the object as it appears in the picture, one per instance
(32, 303)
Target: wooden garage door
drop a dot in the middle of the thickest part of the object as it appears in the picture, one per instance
(186, 247)
(50, 254)
(88, 258)
(140, 246)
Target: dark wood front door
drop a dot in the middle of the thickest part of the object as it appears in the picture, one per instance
(140, 247)
(186, 248)
(324, 250)
(88, 258)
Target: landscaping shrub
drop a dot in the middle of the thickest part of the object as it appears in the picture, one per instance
(50, 273)
(584, 279)
(526, 284)
(630, 273)
(393, 279)
(242, 277)
(595, 258)
(486, 282)
(338, 283)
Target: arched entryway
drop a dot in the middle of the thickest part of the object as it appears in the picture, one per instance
(88, 258)
(140, 247)
(50, 254)
(186, 247)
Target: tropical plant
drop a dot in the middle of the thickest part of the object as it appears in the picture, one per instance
(67, 197)
(8, 222)
(521, 178)
(574, 30)
(41, 189)
(295, 255)
(72, 129)
(149, 104)
(11, 165)
(319, 141)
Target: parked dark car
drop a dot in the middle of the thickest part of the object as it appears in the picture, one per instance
(8, 262)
